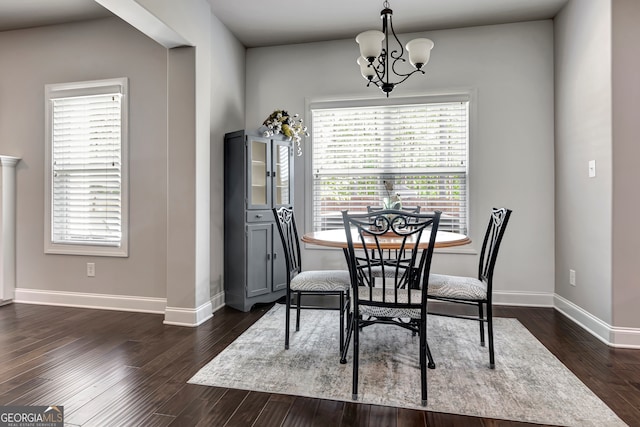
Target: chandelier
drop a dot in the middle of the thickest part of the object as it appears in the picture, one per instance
(377, 62)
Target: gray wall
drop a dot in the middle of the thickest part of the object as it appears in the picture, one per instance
(509, 70)
(583, 133)
(626, 153)
(190, 274)
(227, 115)
(74, 52)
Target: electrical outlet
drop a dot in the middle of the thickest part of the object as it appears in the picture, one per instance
(91, 269)
(572, 277)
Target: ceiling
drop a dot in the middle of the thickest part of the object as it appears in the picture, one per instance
(258, 23)
(16, 14)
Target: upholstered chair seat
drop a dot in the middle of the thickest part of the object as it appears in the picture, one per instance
(386, 310)
(459, 287)
(321, 280)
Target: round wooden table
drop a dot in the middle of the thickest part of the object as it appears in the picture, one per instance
(338, 239)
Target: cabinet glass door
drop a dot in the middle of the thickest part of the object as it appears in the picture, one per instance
(259, 191)
(283, 173)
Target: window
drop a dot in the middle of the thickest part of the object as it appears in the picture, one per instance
(364, 155)
(86, 173)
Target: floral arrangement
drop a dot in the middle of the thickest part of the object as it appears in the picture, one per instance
(281, 122)
(392, 201)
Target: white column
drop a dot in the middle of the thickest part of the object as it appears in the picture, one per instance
(7, 227)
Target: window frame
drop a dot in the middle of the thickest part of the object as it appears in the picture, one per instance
(77, 89)
(455, 95)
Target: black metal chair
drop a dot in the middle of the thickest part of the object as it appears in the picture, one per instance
(392, 298)
(471, 290)
(312, 282)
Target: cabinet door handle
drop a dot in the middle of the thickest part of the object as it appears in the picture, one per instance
(275, 255)
(274, 174)
(258, 216)
(268, 257)
(268, 173)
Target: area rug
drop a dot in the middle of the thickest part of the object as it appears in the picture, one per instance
(528, 383)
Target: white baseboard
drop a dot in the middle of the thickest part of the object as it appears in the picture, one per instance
(179, 316)
(194, 317)
(625, 337)
(528, 299)
(610, 335)
(173, 315)
(217, 301)
(95, 301)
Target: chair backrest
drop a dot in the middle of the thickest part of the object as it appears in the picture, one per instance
(491, 244)
(413, 209)
(392, 281)
(288, 231)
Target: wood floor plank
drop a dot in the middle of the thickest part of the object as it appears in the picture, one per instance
(187, 393)
(355, 414)
(157, 420)
(452, 420)
(220, 412)
(411, 418)
(192, 414)
(249, 410)
(328, 413)
(65, 377)
(117, 368)
(275, 411)
(383, 416)
(301, 412)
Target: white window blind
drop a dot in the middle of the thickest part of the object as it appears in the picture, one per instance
(362, 155)
(86, 167)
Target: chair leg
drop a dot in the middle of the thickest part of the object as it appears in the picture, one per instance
(350, 328)
(356, 350)
(480, 316)
(287, 319)
(431, 364)
(492, 362)
(298, 301)
(342, 309)
(424, 348)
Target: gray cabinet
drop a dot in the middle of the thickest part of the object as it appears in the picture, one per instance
(257, 177)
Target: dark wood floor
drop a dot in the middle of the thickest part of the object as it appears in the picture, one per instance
(122, 369)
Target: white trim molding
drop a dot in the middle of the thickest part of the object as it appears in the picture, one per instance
(192, 317)
(527, 299)
(7, 227)
(95, 301)
(611, 335)
(217, 301)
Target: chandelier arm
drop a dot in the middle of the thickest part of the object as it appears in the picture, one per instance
(406, 76)
(375, 83)
(380, 68)
(399, 74)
